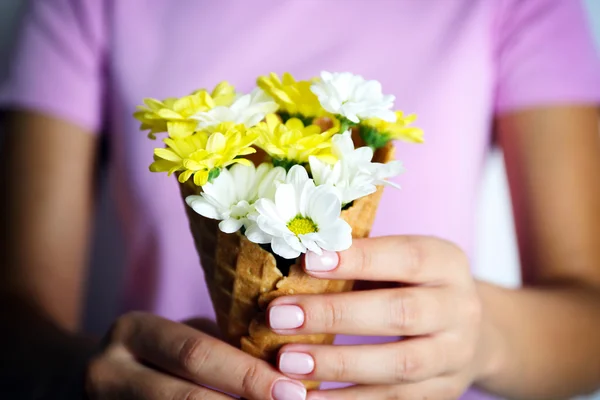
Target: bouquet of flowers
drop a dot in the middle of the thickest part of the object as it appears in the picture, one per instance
(293, 166)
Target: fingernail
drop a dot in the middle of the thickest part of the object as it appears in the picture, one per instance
(321, 263)
(296, 363)
(288, 390)
(286, 317)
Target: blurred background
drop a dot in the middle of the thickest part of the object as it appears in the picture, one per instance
(495, 259)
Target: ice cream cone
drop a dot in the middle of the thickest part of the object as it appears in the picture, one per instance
(243, 277)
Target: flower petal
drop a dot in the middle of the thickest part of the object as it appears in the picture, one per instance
(200, 177)
(267, 208)
(222, 189)
(216, 143)
(285, 201)
(261, 172)
(296, 176)
(243, 181)
(388, 170)
(335, 237)
(268, 186)
(303, 197)
(256, 235)
(386, 115)
(241, 209)
(389, 183)
(363, 155)
(320, 171)
(356, 191)
(342, 144)
(184, 176)
(201, 206)
(294, 242)
(324, 206)
(231, 225)
(308, 240)
(272, 227)
(283, 249)
(167, 154)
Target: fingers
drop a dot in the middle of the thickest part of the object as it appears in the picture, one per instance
(403, 362)
(441, 389)
(200, 358)
(113, 378)
(385, 312)
(369, 393)
(407, 259)
(205, 325)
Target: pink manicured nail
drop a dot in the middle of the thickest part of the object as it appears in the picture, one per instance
(288, 390)
(321, 263)
(286, 317)
(296, 363)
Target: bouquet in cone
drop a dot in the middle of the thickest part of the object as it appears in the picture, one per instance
(293, 166)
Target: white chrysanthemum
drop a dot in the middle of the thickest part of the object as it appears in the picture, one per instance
(248, 109)
(301, 217)
(353, 175)
(352, 97)
(231, 196)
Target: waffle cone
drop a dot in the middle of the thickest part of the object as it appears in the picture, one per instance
(243, 278)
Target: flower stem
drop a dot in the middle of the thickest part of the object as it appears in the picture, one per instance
(285, 116)
(372, 137)
(347, 205)
(344, 125)
(285, 163)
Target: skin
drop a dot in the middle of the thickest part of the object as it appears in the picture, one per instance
(44, 245)
(535, 342)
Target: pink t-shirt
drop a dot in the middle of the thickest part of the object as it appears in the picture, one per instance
(456, 63)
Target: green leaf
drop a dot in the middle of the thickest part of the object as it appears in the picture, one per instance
(213, 174)
(285, 116)
(285, 163)
(345, 123)
(372, 137)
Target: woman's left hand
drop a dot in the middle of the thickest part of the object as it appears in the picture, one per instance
(434, 306)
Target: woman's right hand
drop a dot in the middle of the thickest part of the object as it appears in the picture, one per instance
(149, 357)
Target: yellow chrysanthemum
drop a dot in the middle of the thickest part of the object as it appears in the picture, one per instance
(170, 159)
(399, 130)
(294, 97)
(222, 95)
(148, 117)
(202, 154)
(172, 115)
(291, 142)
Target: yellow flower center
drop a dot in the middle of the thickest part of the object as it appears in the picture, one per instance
(300, 225)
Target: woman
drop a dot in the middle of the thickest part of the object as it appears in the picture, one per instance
(522, 70)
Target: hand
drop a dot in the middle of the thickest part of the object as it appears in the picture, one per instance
(148, 357)
(435, 308)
